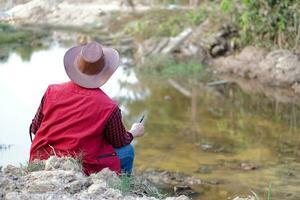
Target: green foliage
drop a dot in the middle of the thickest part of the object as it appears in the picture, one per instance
(226, 6)
(10, 34)
(168, 67)
(164, 23)
(266, 23)
(129, 185)
(195, 17)
(176, 2)
(4, 27)
(16, 36)
(191, 68)
(36, 165)
(262, 21)
(267, 195)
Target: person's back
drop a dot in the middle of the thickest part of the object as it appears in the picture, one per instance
(78, 119)
(73, 122)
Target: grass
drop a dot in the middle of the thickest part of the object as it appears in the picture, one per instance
(10, 34)
(267, 195)
(164, 23)
(166, 66)
(131, 185)
(36, 165)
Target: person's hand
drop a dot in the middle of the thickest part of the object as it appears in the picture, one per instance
(137, 129)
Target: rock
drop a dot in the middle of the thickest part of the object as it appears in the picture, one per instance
(30, 196)
(96, 188)
(248, 166)
(105, 174)
(113, 194)
(58, 180)
(167, 98)
(296, 88)
(214, 182)
(62, 179)
(56, 13)
(166, 178)
(245, 198)
(14, 172)
(218, 50)
(73, 13)
(184, 190)
(7, 4)
(280, 68)
(204, 170)
(182, 197)
(212, 148)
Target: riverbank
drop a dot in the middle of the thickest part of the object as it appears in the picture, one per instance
(184, 33)
(62, 178)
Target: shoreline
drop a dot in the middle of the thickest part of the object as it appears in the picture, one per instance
(62, 178)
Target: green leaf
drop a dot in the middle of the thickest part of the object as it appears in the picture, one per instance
(255, 195)
(226, 5)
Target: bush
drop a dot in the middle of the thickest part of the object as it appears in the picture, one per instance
(266, 22)
(164, 23)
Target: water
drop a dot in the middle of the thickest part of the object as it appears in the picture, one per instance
(222, 135)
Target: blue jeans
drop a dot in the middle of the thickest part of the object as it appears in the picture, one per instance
(126, 155)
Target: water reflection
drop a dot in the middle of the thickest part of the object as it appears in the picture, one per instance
(244, 141)
(23, 50)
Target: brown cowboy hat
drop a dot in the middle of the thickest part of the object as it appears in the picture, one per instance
(91, 65)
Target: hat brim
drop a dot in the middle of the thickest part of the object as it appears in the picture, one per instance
(91, 81)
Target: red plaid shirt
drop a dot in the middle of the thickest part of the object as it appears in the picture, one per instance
(115, 131)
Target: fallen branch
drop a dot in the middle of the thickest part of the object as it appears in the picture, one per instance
(180, 88)
(214, 83)
(176, 41)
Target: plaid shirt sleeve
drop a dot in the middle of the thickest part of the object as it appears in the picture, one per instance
(37, 120)
(115, 131)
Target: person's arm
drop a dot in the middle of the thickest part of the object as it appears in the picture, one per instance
(116, 133)
(37, 120)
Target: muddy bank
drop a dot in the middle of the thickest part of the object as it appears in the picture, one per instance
(278, 69)
(62, 178)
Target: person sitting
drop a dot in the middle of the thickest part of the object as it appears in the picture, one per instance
(78, 119)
